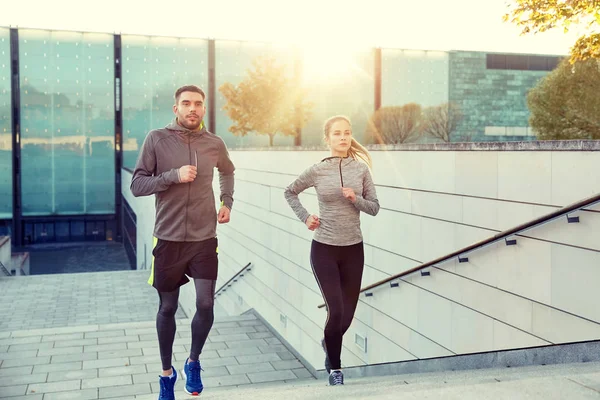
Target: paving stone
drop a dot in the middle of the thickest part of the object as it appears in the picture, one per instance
(142, 331)
(273, 341)
(286, 364)
(219, 362)
(228, 380)
(118, 354)
(105, 347)
(60, 351)
(10, 391)
(103, 334)
(85, 394)
(258, 358)
(214, 346)
(144, 360)
(217, 371)
(302, 373)
(147, 377)
(246, 368)
(142, 344)
(21, 354)
(21, 362)
(53, 331)
(271, 376)
(255, 322)
(28, 397)
(286, 355)
(71, 366)
(63, 386)
(16, 371)
(21, 380)
(221, 325)
(26, 347)
(71, 375)
(242, 351)
(233, 344)
(273, 348)
(111, 362)
(149, 351)
(227, 338)
(64, 337)
(127, 370)
(119, 391)
(260, 335)
(232, 331)
(77, 342)
(74, 357)
(24, 340)
(106, 381)
(118, 339)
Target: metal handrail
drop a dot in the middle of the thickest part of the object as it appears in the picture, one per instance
(4, 269)
(224, 287)
(496, 238)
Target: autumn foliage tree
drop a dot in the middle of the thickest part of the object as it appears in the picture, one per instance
(440, 121)
(395, 124)
(269, 101)
(535, 16)
(566, 103)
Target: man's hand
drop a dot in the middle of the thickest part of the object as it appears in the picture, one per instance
(224, 214)
(187, 173)
(312, 222)
(349, 194)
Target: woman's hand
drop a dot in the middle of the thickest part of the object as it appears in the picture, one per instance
(349, 194)
(312, 222)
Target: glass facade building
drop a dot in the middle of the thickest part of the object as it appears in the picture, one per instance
(80, 105)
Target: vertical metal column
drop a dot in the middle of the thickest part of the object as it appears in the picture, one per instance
(212, 89)
(377, 78)
(298, 75)
(17, 225)
(118, 236)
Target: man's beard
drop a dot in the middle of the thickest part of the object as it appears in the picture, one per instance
(192, 126)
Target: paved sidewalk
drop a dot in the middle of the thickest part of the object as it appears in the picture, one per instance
(45, 301)
(93, 336)
(122, 360)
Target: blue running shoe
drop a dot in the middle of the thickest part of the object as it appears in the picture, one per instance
(191, 374)
(167, 386)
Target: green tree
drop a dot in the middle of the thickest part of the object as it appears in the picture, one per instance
(395, 124)
(535, 16)
(566, 103)
(268, 101)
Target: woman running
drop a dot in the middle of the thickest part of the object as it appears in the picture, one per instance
(344, 188)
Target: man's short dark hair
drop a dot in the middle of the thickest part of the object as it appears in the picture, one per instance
(188, 88)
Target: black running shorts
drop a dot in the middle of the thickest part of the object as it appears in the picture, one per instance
(174, 260)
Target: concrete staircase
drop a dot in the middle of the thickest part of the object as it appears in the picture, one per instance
(566, 381)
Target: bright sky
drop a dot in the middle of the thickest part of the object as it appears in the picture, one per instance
(408, 24)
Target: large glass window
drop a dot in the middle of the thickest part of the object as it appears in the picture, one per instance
(67, 122)
(233, 61)
(5, 127)
(339, 81)
(413, 76)
(153, 68)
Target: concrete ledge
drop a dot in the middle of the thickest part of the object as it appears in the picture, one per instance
(544, 355)
(545, 145)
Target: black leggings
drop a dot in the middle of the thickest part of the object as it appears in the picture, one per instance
(338, 270)
(201, 323)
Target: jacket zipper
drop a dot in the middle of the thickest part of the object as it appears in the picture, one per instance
(341, 176)
(189, 189)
